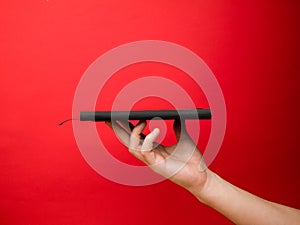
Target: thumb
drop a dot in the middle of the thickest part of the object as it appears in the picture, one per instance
(148, 145)
(180, 129)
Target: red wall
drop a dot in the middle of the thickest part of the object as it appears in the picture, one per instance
(251, 46)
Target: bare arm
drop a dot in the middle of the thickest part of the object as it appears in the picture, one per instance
(242, 207)
(183, 164)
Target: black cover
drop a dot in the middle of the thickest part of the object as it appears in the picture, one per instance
(146, 115)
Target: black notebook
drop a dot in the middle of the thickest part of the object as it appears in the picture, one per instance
(188, 114)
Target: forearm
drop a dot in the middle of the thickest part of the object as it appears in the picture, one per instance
(242, 207)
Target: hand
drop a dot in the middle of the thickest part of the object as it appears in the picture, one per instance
(182, 162)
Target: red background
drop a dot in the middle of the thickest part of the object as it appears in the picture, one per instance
(251, 46)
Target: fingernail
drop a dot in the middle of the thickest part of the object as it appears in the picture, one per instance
(155, 131)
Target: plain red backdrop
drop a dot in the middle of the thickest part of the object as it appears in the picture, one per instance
(251, 46)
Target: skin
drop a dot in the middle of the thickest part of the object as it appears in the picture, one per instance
(186, 167)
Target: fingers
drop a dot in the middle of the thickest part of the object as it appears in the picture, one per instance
(139, 145)
(149, 140)
(147, 147)
(135, 136)
(140, 127)
(142, 135)
(129, 135)
(121, 132)
(127, 126)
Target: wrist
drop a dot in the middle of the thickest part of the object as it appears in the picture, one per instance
(206, 190)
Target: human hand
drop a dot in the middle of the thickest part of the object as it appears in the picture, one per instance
(182, 162)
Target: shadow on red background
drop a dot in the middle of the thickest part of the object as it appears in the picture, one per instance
(46, 46)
